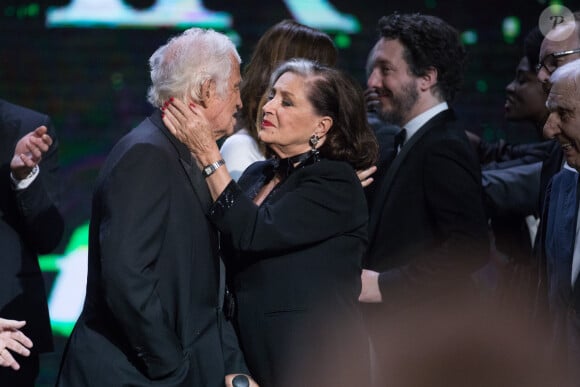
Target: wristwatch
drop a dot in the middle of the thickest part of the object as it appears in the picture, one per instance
(208, 170)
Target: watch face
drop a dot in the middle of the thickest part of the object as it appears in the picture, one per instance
(208, 170)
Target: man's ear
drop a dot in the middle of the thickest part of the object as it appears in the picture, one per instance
(207, 92)
(429, 79)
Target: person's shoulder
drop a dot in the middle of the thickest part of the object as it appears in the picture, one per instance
(338, 165)
(20, 120)
(12, 109)
(143, 153)
(447, 127)
(446, 140)
(142, 132)
(239, 135)
(336, 176)
(258, 166)
(332, 170)
(240, 138)
(145, 135)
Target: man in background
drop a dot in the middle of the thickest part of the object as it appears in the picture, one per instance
(561, 243)
(30, 224)
(428, 230)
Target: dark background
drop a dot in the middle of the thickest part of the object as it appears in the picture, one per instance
(93, 81)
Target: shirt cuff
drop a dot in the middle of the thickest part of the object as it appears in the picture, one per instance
(19, 185)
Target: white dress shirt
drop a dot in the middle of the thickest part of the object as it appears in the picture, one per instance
(239, 151)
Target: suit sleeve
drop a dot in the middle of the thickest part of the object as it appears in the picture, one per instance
(512, 191)
(500, 151)
(43, 224)
(320, 207)
(134, 213)
(452, 184)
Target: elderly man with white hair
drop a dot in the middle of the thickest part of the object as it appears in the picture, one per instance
(562, 236)
(155, 287)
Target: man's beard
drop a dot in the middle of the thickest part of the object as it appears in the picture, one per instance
(401, 103)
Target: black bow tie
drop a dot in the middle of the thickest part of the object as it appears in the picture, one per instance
(284, 167)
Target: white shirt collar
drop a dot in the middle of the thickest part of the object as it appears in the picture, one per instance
(417, 122)
(568, 167)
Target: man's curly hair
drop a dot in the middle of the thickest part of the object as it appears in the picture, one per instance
(428, 42)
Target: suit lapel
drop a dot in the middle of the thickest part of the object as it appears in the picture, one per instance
(187, 162)
(387, 183)
(197, 182)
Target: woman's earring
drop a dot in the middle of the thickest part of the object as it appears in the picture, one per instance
(313, 141)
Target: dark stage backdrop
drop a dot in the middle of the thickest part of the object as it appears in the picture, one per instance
(84, 62)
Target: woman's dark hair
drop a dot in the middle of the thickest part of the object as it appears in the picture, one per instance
(335, 94)
(285, 40)
(428, 42)
(532, 44)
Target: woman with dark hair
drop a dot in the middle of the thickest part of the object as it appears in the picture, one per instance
(295, 227)
(283, 41)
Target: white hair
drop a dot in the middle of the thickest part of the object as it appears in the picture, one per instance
(299, 66)
(570, 72)
(180, 67)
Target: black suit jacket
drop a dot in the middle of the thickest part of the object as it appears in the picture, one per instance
(427, 224)
(30, 224)
(152, 314)
(297, 273)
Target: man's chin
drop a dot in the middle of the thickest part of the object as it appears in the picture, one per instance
(219, 134)
(391, 117)
(226, 132)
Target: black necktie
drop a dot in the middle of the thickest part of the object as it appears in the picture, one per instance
(400, 138)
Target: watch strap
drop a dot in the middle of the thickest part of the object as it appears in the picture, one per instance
(208, 170)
